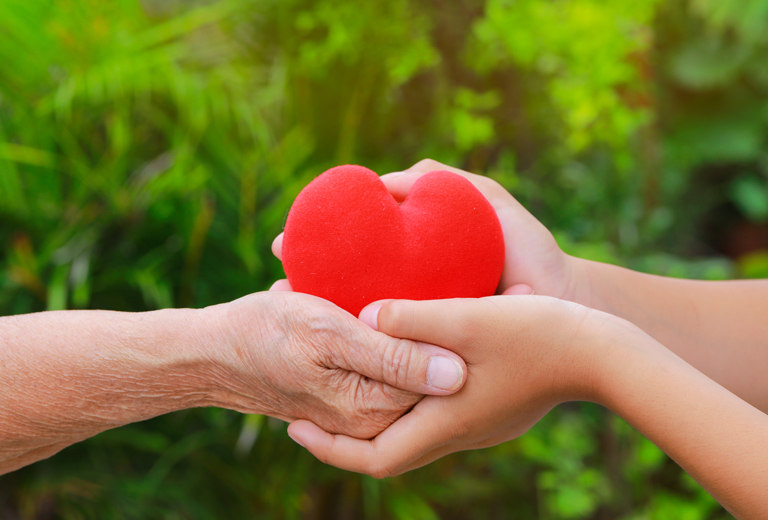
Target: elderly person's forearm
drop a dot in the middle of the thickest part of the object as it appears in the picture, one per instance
(65, 376)
(68, 375)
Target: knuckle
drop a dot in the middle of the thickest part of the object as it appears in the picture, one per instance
(361, 411)
(317, 335)
(321, 325)
(486, 185)
(372, 409)
(398, 362)
(341, 404)
(355, 394)
(428, 165)
(393, 318)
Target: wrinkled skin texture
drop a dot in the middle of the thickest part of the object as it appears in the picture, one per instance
(68, 375)
(310, 362)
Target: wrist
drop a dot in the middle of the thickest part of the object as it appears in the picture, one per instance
(583, 285)
(576, 287)
(167, 355)
(622, 353)
(237, 334)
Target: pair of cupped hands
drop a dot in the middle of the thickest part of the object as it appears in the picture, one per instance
(411, 381)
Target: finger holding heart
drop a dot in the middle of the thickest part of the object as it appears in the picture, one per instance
(532, 256)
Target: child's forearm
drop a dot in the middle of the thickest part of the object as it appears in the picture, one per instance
(716, 437)
(528, 353)
(721, 328)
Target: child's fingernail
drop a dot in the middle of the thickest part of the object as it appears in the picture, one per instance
(370, 315)
(444, 373)
(520, 289)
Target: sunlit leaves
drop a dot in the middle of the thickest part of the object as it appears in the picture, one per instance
(586, 51)
(150, 150)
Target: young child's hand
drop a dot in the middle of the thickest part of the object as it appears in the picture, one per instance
(533, 258)
(718, 327)
(525, 354)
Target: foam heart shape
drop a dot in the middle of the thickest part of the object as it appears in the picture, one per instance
(349, 241)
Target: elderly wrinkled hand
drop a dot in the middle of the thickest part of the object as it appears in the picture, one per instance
(307, 359)
(68, 375)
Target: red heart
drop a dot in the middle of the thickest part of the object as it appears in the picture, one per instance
(347, 239)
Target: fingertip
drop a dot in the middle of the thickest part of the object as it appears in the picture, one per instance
(446, 374)
(305, 433)
(392, 320)
(428, 165)
(281, 285)
(392, 175)
(370, 314)
(295, 434)
(277, 246)
(520, 289)
(337, 450)
(399, 184)
(439, 371)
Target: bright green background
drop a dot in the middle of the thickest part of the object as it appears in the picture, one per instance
(149, 152)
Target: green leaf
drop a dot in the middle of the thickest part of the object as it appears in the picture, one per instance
(58, 289)
(707, 62)
(750, 194)
(573, 502)
(754, 265)
(409, 506)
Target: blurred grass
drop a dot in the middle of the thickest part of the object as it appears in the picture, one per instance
(150, 150)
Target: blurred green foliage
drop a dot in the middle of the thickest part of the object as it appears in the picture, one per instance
(149, 151)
